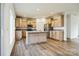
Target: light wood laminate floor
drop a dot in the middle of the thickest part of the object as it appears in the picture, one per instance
(50, 48)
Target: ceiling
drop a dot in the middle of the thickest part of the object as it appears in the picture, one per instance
(37, 10)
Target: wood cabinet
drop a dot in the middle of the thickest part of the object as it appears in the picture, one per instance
(17, 22)
(55, 21)
(58, 35)
(32, 21)
(23, 22)
(58, 21)
(23, 34)
(18, 35)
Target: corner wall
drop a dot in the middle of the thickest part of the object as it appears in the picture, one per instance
(6, 46)
(0, 29)
(65, 26)
(72, 26)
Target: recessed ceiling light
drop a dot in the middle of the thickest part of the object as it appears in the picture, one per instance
(37, 9)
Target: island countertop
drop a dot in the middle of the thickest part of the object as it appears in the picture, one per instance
(36, 31)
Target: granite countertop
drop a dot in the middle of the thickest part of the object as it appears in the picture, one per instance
(30, 31)
(58, 30)
(25, 29)
(36, 31)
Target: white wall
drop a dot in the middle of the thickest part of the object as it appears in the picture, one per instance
(0, 29)
(78, 24)
(6, 46)
(65, 26)
(2, 17)
(78, 30)
(68, 26)
(72, 26)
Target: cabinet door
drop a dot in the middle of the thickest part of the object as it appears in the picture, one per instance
(18, 35)
(23, 23)
(59, 21)
(24, 34)
(61, 36)
(54, 34)
(17, 22)
(57, 35)
(55, 23)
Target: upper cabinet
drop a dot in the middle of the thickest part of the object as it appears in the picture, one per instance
(17, 22)
(58, 21)
(20, 23)
(32, 22)
(24, 22)
(55, 21)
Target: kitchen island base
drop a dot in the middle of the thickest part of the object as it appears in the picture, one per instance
(36, 37)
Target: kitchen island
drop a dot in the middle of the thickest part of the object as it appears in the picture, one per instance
(33, 37)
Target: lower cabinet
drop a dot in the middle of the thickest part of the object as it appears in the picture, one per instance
(18, 35)
(58, 35)
(23, 34)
